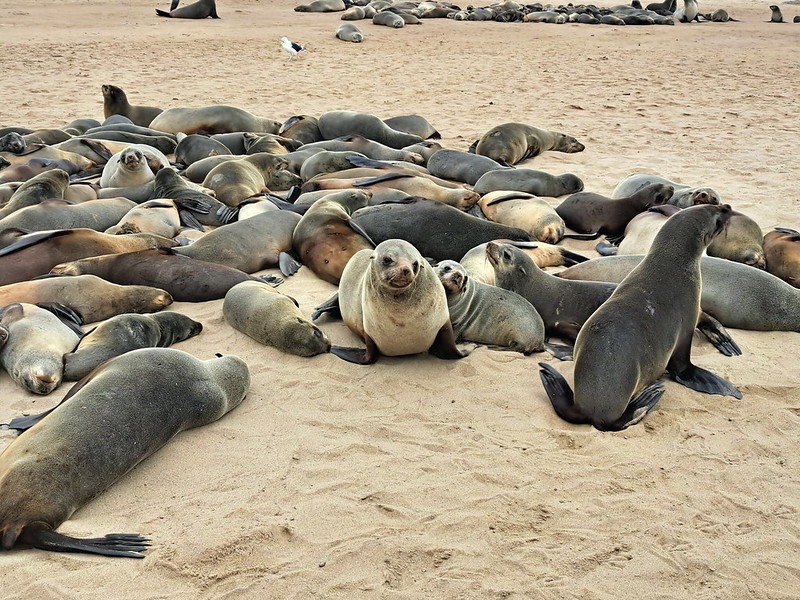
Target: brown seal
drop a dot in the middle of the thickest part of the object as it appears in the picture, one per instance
(107, 423)
(236, 180)
(643, 329)
(93, 298)
(587, 212)
(272, 319)
(60, 214)
(211, 120)
(511, 143)
(115, 102)
(336, 123)
(202, 9)
(47, 185)
(741, 241)
(782, 251)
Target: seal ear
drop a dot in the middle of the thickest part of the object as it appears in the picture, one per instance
(11, 313)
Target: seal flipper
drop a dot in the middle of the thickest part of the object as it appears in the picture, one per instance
(129, 545)
(331, 305)
(163, 13)
(561, 395)
(365, 161)
(360, 231)
(66, 315)
(288, 264)
(380, 179)
(271, 280)
(637, 408)
(560, 351)
(606, 249)
(476, 211)
(187, 219)
(359, 356)
(300, 209)
(444, 346)
(681, 369)
(717, 335)
(787, 230)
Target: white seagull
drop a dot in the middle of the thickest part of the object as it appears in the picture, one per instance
(291, 47)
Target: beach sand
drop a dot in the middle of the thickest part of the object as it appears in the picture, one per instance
(423, 478)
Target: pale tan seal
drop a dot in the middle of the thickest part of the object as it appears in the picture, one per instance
(60, 214)
(38, 340)
(741, 241)
(349, 32)
(135, 165)
(391, 298)
(643, 329)
(782, 251)
(477, 264)
(109, 422)
(211, 120)
(511, 143)
(159, 217)
(272, 319)
(123, 333)
(524, 211)
(486, 314)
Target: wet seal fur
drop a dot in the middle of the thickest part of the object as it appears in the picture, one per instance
(107, 423)
(647, 324)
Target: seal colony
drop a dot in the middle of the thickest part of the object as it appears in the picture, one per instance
(460, 364)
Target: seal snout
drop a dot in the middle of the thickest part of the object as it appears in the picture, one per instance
(40, 383)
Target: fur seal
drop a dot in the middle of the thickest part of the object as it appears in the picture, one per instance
(415, 125)
(643, 228)
(37, 341)
(192, 197)
(35, 166)
(93, 298)
(683, 196)
(302, 128)
(648, 322)
(186, 279)
(328, 161)
(782, 252)
(327, 237)
(776, 16)
(195, 147)
(202, 9)
(741, 241)
(587, 212)
(531, 181)
(272, 319)
(435, 229)
(159, 217)
(108, 422)
(511, 143)
(115, 102)
(486, 314)
(211, 120)
(249, 245)
(477, 264)
(524, 211)
(132, 167)
(460, 166)
(322, 6)
(235, 180)
(689, 12)
(36, 253)
(60, 214)
(126, 332)
(44, 186)
(13, 142)
(388, 19)
(349, 32)
(336, 123)
(391, 298)
(370, 148)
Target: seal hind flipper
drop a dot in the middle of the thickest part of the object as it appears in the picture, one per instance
(331, 305)
(187, 219)
(561, 395)
(582, 236)
(32, 239)
(718, 335)
(85, 175)
(366, 162)
(560, 351)
(97, 148)
(381, 179)
(163, 13)
(284, 205)
(271, 280)
(637, 408)
(195, 204)
(572, 258)
(444, 346)
(129, 545)
(66, 314)
(699, 379)
(476, 211)
(288, 264)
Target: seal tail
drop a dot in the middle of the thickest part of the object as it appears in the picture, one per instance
(163, 13)
(561, 395)
(129, 545)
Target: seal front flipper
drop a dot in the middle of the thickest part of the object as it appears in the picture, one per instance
(717, 335)
(272, 280)
(360, 231)
(444, 346)
(365, 161)
(187, 219)
(606, 249)
(561, 395)
(380, 179)
(129, 545)
(701, 380)
(163, 13)
(288, 264)
(358, 356)
(66, 315)
(331, 305)
(560, 351)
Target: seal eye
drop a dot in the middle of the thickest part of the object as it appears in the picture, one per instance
(387, 260)
(506, 255)
(415, 266)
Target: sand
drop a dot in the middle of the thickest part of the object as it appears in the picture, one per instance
(423, 478)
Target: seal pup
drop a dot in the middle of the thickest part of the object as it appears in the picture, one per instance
(435, 229)
(349, 32)
(126, 332)
(249, 245)
(128, 168)
(272, 319)
(782, 252)
(587, 212)
(683, 195)
(776, 16)
(50, 184)
(336, 123)
(202, 9)
(391, 298)
(115, 102)
(107, 423)
(511, 143)
(486, 314)
(477, 264)
(524, 211)
(388, 19)
(38, 340)
(212, 120)
(93, 298)
(649, 330)
(531, 181)
(327, 237)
